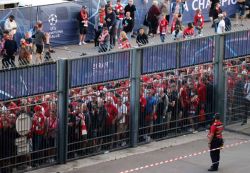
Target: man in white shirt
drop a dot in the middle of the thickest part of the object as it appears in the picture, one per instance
(10, 25)
(221, 25)
(121, 120)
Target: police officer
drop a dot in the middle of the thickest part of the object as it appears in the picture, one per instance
(215, 142)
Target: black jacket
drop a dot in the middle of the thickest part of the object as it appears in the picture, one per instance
(11, 47)
(128, 25)
(110, 19)
(142, 39)
(131, 9)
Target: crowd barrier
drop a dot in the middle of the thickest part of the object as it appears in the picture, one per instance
(69, 109)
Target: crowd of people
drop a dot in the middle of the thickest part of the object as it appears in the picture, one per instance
(238, 90)
(99, 115)
(114, 23)
(35, 41)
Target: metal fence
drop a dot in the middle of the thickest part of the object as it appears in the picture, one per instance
(176, 102)
(237, 94)
(110, 101)
(28, 133)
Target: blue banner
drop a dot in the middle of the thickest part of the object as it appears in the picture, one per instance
(99, 69)
(61, 22)
(237, 44)
(192, 5)
(197, 51)
(159, 58)
(28, 81)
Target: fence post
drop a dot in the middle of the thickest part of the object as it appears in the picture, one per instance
(63, 86)
(135, 74)
(219, 75)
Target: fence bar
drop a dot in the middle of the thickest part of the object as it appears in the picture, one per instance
(219, 75)
(135, 93)
(63, 88)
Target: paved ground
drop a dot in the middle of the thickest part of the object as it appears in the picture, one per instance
(237, 127)
(234, 159)
(75, 51)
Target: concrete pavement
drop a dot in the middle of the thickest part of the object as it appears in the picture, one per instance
(233, 159)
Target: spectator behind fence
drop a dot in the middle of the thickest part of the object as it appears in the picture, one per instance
(153, 17)
(189, 31)
(221, 25)
(109, 4)
(198, 22)
(25, 57)
(39, 41)
(142, 38)
(246, 101)
(217, 10)
(128, 25)
(99, 23)
(241, 8)
(10, 25)
(111, 23)
(163, 27)
(10, 48)
(119, 10)
(177, 34)
(124, 41)
(212, 7)
(131, 8)
(104, 40)
(83, 18)
(165, 9)
(227, 20)
(178, 7)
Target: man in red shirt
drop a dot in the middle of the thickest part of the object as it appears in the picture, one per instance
(111, 118)
(119, 10)
(215, 142)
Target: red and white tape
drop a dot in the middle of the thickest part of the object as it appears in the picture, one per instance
(184, 157)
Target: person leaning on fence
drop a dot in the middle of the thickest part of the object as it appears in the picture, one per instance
(177, 34)
(10, 49)
(10, 25)
(227, 20)
(104, 40)
(142, 38)
(25, 57)
(189, 31)
(198, 22)
(221, 25)
(124, 41)
(128, 25)
(163, 27)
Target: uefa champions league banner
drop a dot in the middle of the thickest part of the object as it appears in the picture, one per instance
(192, 5)
(28, 81)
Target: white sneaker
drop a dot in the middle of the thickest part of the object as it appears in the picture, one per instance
(84, 42)
(80, 43)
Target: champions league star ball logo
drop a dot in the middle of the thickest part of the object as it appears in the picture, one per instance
(52, 19)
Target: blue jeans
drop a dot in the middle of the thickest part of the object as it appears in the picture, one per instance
(162, 36)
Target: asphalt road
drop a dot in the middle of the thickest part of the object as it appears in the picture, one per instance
(234, 159)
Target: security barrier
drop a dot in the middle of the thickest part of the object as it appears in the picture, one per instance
(56, 112)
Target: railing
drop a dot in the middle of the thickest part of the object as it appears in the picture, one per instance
(97, 100)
